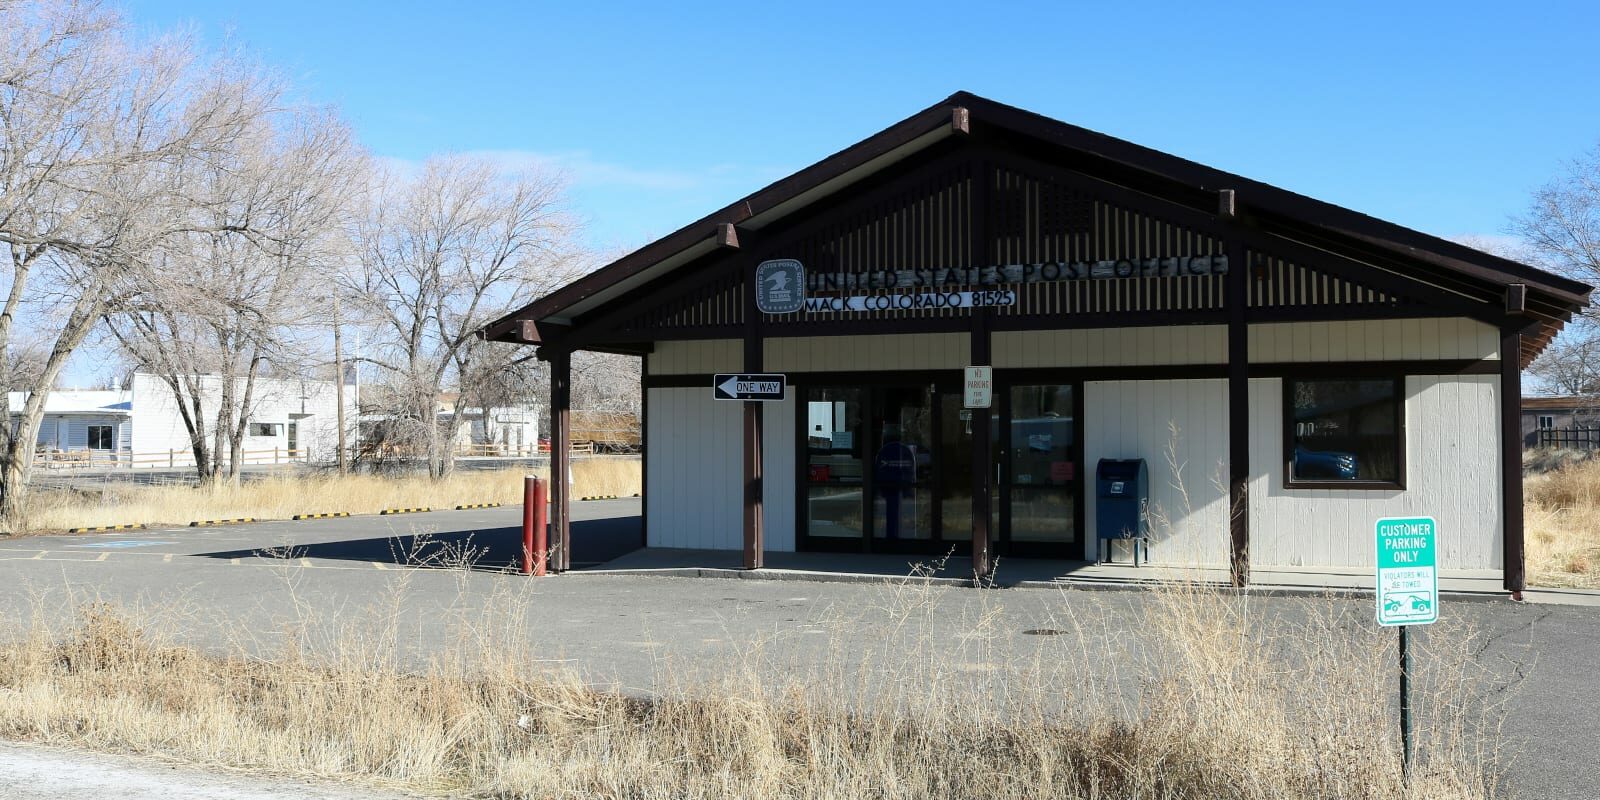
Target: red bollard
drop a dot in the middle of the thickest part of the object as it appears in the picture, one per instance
(535, 536)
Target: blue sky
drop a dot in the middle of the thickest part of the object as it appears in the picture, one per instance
(1439, 116)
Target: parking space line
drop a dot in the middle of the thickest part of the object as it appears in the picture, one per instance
(379, 565)
(41, 555)
(104, 556)
(233, 561)
(167, 558)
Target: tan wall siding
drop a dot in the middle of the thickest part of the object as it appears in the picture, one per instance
(1180, 429)
(697, 357)
(868, 353)
(1452, 474)
(1373, 340)
(1097, 347)
(695, 470)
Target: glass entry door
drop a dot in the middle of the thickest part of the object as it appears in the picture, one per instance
(1040, 474)
(886, 468)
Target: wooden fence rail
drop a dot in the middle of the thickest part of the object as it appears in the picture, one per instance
(1570, 438)
(173, 459)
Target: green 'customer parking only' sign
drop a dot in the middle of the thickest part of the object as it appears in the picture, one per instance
(1408, 571)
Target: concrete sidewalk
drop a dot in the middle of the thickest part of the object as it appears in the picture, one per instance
(956, 570)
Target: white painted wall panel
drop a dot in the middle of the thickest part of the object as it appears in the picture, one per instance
(777, 471)
(695, 470)
(1452, 450)
(1095, 347)
(1180, 429)
(1372, 340)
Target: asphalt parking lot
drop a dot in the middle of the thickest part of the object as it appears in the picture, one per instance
(424, 578)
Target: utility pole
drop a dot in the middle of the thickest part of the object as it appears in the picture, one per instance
(338, 386)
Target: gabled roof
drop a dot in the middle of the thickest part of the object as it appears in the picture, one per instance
(1549, 300)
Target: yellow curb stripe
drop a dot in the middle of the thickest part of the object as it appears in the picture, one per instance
(207, 522)
(99, 528)
(328, 515)
(388, 511)
(477, 505)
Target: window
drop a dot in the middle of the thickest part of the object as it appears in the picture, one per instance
(101, 437)
(265, 428)
(1344, 433)
(1546, 422)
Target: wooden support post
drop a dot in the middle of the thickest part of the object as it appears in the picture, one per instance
(1238, 404)
(1513, 566)
(755, 544)
(560, 460)
(982, 471)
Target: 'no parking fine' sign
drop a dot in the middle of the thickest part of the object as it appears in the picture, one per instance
(1408, 571)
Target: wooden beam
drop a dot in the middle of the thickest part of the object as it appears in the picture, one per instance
(727, 235)
(560, 460)
(1511, 528)
(980, 355)
(1516, 298)
(1238, 414)
(960, 120)
(1227, 204)
(755, 544)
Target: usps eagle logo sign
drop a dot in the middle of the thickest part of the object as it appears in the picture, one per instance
(780, 286)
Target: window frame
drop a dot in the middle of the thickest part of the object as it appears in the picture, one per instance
(1289, 434)
(1542, 419)
(111, 437)
(275, 427)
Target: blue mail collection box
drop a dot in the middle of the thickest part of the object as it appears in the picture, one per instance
(1122, 488)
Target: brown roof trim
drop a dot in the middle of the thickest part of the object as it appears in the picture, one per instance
(961, 110)
(889, 139)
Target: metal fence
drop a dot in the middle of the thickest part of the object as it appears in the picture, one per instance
(1569, 438)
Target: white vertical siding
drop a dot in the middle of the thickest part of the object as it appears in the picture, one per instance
(1373, 340)
(1096, 347)
(777, 473)
(868, 353)
(1452, 447)
(696, 449)
(1189, 505)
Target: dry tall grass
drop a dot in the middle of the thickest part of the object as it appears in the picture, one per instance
(283, 496)
(1562, 514)
(1197, 696)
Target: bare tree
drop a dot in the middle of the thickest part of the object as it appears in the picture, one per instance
(1562, 229)
(438, 257)
(226, 300)
(99, 135)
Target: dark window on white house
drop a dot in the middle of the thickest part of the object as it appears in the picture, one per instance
(1546, 422)
(1346, 433)
(101, 437)
(265, 428)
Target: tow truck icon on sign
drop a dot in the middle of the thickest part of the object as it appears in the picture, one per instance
(1407, 604)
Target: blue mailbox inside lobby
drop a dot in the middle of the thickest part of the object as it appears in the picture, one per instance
(1123, 498)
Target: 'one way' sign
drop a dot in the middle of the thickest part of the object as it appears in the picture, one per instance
(748, 387)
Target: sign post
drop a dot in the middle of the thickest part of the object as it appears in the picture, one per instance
(749, 387)
(1407, 594)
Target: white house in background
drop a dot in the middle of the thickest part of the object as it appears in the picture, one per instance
(140, 426)
(79, 425)
(507, 429)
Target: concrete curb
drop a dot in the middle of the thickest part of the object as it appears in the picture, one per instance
(102, 528)
(477, 505)
(322, 516)
(205, 523)
(386, 512)
(1095, 585)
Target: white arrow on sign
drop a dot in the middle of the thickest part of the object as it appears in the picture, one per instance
(729, 387)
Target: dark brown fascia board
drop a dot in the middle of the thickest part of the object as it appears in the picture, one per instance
(936, 118)
(1255, 194)
(955, 114)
